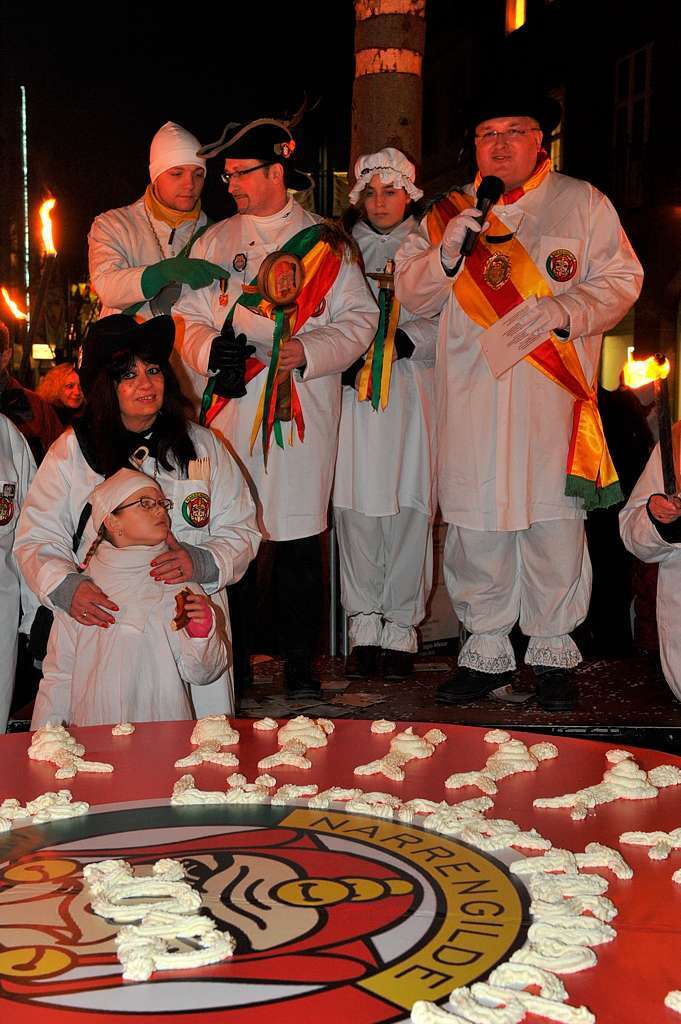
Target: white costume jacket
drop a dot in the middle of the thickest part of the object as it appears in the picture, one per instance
(641, 537)
(226, 527)
(293, 495)
(122, 243)
(386, 458)
(503, 444)
(16, 472)
(136, 670)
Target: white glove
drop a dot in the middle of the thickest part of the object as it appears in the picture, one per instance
(455, 232)
(544, 316)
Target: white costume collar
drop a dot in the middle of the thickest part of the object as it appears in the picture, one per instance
(273, 218)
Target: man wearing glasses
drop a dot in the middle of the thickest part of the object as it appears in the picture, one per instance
(272, 347)
(521, 448)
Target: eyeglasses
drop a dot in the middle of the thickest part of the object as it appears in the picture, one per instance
(512, 134)
(240, 174)
(148, 504)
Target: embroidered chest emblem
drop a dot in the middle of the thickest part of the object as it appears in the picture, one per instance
(196, 509)
(561, 264)
(6, 510)
(7, 503)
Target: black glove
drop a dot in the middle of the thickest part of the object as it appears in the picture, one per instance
(348, 376)
(228, 354)
(404, 346)
(229, 351)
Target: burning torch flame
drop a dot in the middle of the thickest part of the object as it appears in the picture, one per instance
(46, 231)
(12, 306)
(638, 372)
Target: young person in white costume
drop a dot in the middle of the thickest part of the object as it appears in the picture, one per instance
(650, 526)
(136, 416)
(17, 469)
(138, 669)
(293, 487)
(385, 470)
(141, 256)
(515, 548)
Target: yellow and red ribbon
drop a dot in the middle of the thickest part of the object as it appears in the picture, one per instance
(374, 377)
(321, 265)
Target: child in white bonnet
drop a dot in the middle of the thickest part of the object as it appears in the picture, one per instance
(141, 667)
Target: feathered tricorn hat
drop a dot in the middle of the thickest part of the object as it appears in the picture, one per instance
(265, 139)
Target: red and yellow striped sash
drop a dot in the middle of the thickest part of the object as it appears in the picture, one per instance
(591, 474)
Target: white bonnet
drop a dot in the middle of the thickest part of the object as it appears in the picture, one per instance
(392, 166)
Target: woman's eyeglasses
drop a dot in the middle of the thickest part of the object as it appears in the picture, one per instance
(148, 504)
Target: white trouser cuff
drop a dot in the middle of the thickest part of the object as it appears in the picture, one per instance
(553, 651)
(487, 652)
(399, 638)
(365, 630)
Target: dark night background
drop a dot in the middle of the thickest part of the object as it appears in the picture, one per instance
(102, 78)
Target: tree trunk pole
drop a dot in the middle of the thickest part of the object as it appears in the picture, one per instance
(387, 93)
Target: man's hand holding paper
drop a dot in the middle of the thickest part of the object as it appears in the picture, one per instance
(513, 336)
(543, 316)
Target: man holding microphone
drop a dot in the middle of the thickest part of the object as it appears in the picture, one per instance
(521, 452)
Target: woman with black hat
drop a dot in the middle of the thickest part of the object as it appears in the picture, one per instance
(136, 416)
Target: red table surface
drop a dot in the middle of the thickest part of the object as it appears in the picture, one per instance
(633, 973)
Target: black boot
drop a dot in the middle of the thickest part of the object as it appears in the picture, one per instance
(556, 689)
(467, 685)
(397, 664)
(299, 678)
(362, 662)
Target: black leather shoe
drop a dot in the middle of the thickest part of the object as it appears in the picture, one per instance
(557, 690)
(299, 679)
(467, 685)
(362, 662)
(397, 664)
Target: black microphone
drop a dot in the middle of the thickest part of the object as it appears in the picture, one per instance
(489, 192)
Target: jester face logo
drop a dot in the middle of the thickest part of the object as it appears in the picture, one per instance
(317, 903)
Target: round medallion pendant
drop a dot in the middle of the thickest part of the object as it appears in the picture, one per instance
(497, 270)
